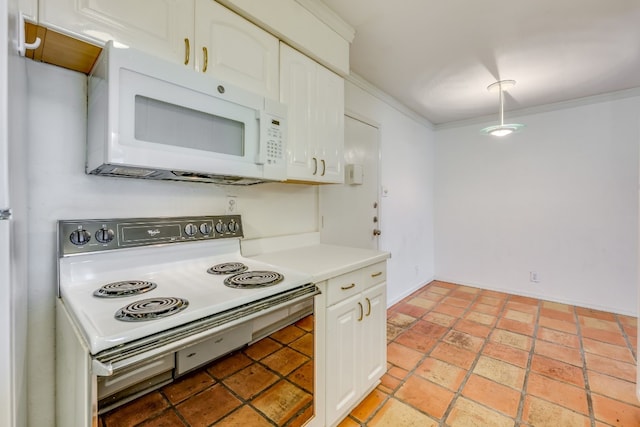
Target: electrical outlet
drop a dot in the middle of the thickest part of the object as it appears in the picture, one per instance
(534, 277)
(232, 205)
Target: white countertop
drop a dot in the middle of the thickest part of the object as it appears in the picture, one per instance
(323, 261)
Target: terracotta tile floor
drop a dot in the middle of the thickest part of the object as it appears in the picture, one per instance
(457, 357)
(269, 383)
(466, 357)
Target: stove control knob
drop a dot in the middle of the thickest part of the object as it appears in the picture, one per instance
(190, 229)
(205, 228)
(233, 226)
(104, 235)
(221, 227)
(80, 237)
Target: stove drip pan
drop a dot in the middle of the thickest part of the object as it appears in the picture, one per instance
(253, 279)
(227, 268)
(124, 289)
(151, 308)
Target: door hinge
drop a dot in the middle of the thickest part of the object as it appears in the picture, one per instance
(5, 214)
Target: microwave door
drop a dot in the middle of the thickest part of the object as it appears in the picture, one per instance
(169, 126)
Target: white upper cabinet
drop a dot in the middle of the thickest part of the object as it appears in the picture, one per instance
(201, 34)
(29, 9)
(161, 27)
(330, 125)
(235, 50)
(315, 100)
(297, 88)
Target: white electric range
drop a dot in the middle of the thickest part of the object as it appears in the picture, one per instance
(136, 292)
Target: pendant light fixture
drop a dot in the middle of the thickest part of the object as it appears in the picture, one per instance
(502, 129)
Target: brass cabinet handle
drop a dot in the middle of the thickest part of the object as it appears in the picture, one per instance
(315, 166)
(361, 312)
(379, 273)
(351, 286)
(187, 51)
(368, 306)
(205, 54)
(324, 167)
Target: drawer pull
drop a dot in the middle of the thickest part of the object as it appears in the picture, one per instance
(361, 312)
(379, 273)
(187, 49)
(351, 286)
(369, 306)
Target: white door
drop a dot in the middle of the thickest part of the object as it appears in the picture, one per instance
(349, 212)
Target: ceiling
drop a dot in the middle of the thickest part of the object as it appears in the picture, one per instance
(437, 57)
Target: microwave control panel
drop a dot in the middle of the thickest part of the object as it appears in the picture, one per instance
(275, 144)
(273, 141)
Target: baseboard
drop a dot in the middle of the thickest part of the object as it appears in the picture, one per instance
(543, 297)
(408, 292)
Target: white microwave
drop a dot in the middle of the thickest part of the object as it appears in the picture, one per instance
(149, 118)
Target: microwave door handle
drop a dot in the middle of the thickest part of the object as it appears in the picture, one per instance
(261, 156)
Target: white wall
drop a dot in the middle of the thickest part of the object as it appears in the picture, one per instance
(407, 171)
(559, 198)
(59, 189)
(15, 294)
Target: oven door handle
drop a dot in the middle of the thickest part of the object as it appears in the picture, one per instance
(101, 369)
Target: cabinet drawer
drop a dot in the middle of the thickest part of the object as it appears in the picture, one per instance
(341, 287)
(374, 274)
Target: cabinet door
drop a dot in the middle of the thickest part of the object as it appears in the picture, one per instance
(374, 335)
(330, 125)
(158, 27)
(297, 90)
(236, 50)
(342, 351)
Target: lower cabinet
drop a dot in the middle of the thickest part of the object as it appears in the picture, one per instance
(355, 341)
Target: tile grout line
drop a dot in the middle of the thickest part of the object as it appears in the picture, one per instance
(585, 375)
(527, 370)
(458, 393)
(426, 354)
(627, 340)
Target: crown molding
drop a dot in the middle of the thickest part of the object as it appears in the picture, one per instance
(329, 17)
(388, 99)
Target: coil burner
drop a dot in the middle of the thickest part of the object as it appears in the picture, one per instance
(124, 289)
(151, 308)
(227, 268)
(253, 279)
